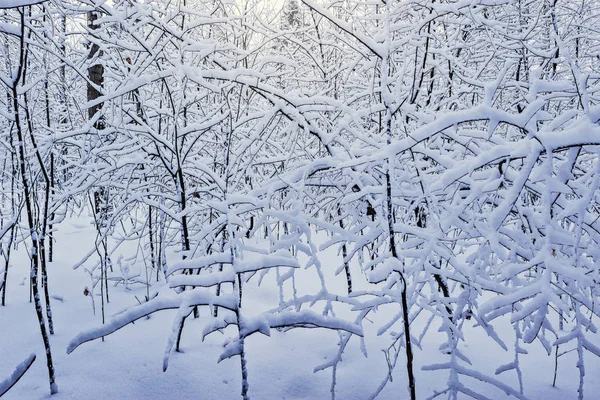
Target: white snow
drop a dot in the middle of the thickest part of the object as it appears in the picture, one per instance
(129, 363)
(18, 3)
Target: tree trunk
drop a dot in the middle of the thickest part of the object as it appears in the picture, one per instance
(29, 208)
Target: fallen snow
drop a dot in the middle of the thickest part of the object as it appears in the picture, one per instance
(129, 363)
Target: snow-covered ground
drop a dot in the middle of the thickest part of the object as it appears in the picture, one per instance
(128, 364)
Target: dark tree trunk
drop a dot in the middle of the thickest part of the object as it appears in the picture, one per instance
(344, 255)
(95, 71)
(6, 263)
(101, 203)
(29, 208)
(394, 251)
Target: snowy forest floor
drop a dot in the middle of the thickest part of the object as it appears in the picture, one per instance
(128, 364)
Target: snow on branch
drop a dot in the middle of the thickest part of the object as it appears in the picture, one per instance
(476, 375)
(286, 320)
(192, 297)
(122, 319)
(297, 319)
(279, 258)
(18, 373)
(200, 262)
